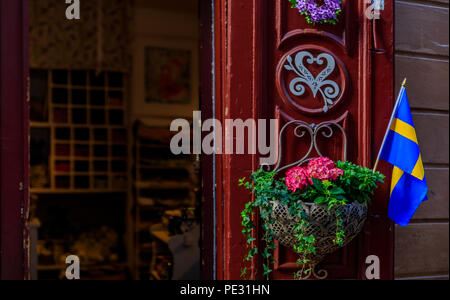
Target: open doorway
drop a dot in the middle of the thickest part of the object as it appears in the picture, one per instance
(104, 185)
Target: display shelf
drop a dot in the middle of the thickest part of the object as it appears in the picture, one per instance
(160, 184)
(84, 267)
(76, 191)
(81, 132)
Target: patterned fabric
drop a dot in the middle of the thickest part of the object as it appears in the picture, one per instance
(59, 43)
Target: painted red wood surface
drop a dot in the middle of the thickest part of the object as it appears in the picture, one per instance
(207, 161)
(13, 138)
(253, 39)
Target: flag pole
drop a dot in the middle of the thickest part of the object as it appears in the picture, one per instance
(389, 126)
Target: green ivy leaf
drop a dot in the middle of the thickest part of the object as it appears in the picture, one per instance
(243, 272)
(337, 191)
(250, 240)
(318, 184)
(320, 200)
(267, 270)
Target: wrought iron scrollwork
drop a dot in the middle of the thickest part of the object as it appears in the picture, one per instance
(319, 275)
(301, 130)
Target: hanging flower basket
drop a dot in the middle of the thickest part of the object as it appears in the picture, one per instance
(323, 226)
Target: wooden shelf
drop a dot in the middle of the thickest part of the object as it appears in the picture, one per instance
(169, 163)
(163, 185)
(77, 191)
(111, 266)
(84, 124)
(144, 226)
(152, 188)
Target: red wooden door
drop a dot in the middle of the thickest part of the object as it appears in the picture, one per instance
(13, 138)
(261, 49)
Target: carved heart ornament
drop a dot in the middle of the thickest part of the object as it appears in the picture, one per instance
(328, 89)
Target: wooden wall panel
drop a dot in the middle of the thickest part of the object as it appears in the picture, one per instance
(421, 28)
(437, 205)
(421, 249)
(433, 277)
(422, 56)
(429, 72)
(432, 132)
(439, 1)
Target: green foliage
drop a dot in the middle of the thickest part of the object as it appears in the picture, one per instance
(266, 188)
(356, 184)
(323, 192)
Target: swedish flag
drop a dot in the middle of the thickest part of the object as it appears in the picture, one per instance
(401, 149)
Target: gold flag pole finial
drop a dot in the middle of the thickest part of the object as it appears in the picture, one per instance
(404, 83)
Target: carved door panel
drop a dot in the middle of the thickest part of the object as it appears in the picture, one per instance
(322, 73)
(272, 64)
(317, 74)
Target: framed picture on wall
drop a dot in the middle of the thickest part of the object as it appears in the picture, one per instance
(165, 79)
(168, 75)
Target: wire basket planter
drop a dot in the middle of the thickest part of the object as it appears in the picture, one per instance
(322, 226)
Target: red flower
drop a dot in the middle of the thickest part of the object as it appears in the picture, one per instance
(336, 173)
(297, 178)
(321, 168)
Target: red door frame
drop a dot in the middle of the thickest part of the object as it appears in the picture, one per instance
(14, 124)
(239, 43)
(238, 50)
(207, 161)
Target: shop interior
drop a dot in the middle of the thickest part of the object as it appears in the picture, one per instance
(105, 185)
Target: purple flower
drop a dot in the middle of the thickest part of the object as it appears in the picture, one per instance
(301, 5)
(325, 12)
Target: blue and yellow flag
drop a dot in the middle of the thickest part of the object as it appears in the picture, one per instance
(401, 149)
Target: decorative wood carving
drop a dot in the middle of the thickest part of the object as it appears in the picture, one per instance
(311, 79)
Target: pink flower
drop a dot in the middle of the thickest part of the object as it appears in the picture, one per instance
(321, 168)
(322, 162)
(336, 173)
(297, 178)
